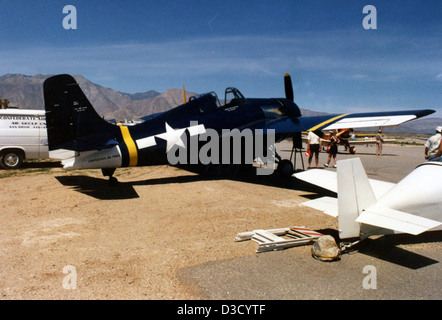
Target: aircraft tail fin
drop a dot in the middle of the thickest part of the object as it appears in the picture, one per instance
(357, 208)
(354, 195)
(354, 191)
(360, 214)
(72, 123)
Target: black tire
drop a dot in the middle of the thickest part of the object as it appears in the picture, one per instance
(285, 168)
(11, 160)
(113, 182)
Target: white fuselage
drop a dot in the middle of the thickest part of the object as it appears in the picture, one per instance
(419, 193)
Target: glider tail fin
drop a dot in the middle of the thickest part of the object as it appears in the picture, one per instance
(354, 195)
(72, 123)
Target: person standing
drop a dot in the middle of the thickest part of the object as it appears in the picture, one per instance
(438, 156)
(379, 141)
(432, 144)
(314, 144)
(333, 150)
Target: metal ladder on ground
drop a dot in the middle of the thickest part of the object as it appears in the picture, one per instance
(278, 239)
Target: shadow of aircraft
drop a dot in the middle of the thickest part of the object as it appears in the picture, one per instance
(100, 188)
(385, 248)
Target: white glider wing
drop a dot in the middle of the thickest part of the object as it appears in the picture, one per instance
(322, 178)
(328, 180)
(328, 205)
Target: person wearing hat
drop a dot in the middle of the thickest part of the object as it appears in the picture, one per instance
(432, 146)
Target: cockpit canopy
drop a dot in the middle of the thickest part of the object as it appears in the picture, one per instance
(207, 102)
(233, 97)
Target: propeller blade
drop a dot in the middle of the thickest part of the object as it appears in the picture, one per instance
(288, 87)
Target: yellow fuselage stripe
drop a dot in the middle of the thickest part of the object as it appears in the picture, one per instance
(327, 121)
(131, 147)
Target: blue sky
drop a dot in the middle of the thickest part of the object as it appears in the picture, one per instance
(336, 65)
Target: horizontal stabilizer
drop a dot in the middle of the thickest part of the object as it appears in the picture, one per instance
(396, 220)
(328, 205)
(328, 180)
(89, 143)
(62, 154)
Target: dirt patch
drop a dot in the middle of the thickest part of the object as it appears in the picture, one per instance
(129, 241)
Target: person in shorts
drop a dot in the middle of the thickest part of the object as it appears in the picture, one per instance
(314, 144)
(333, 150)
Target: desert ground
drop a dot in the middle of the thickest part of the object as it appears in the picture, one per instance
(168, 233)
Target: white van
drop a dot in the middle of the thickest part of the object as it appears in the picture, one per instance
(22, 136)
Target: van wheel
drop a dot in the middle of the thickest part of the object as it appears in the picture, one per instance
(11, 160)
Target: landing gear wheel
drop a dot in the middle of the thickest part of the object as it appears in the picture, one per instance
(285, 168)
(108, 172)
(113, 181)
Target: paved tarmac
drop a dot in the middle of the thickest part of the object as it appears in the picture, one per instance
(384, 267)
(395, 163)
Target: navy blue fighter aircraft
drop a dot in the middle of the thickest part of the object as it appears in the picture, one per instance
(82, 139)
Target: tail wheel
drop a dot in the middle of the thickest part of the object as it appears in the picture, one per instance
(11, 160)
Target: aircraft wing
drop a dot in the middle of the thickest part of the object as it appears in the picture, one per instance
(323, 178)
(329, 180)
(352, 120)
(328, 205)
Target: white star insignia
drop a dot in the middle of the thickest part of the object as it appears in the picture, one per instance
(172, 136)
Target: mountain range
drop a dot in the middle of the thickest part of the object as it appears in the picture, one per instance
(26, 92)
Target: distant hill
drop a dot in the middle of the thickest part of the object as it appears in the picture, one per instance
(26, 92)
(23, 91)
